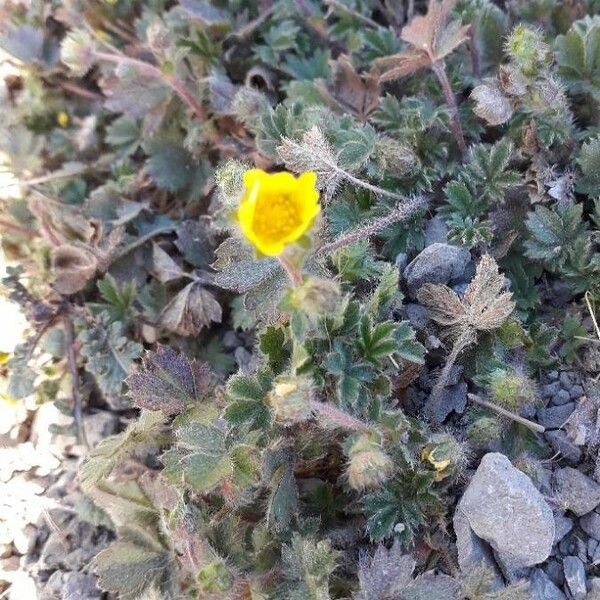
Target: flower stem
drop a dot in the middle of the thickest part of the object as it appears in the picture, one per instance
(153, 71)
(294, 275)
(339, 416)
(439, 68)
(400, 213)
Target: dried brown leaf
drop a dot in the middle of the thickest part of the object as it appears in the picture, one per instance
(349, 90)
(164, 268)
(486, 304)
(73, 267)
(444, 305)
(192, 309)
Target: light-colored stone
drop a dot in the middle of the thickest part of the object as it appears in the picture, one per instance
(575, 577)
(542, 588)
(504, 508)
(575, 491)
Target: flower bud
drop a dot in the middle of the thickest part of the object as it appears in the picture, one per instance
(317, 297)
(511, 389)
(445, 454)
(290, 399)
(484, 430)
(368, 465)
(528, 50)
(77, 51)
(159, 37)
(230, 179)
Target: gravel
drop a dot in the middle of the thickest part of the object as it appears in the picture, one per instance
(542, 587)
(562, 524)
(562, 444)
(590, 523)
(575, 577)
(553, 417)
(561, 397)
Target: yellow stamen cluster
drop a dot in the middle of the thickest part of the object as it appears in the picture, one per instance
(277, 209)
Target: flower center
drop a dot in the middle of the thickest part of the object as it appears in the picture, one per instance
(275, 217)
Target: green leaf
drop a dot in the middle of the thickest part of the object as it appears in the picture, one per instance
(272, 344)
(282, 508)
(124, 133)
(578, 54)
(386, 294)
(407, 345)
(169, 165)
(248, 394)
(109, 353)
(376, 342)
(129, 569)
(589, 162)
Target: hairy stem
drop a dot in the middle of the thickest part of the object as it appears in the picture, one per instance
(293, 273)
(342, 7)
(507, 413)
(72, 361)
(153, 71)
(400, 213)
(474, 51)
(339, 416)
(439, 68)
(464, 340)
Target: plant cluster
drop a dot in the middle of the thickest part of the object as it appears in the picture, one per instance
(181, 174)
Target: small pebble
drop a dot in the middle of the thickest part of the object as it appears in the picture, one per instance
(590, 523)
(565, 380)
(561, 397)
(550, 389)
(553, 374)
(575, 577)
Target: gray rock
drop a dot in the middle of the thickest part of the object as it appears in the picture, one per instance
(505, 509)
(575, 577)
(436, 230)
(592, 546)
(576, 392)
(561, 397)
(99, 425)
(590, 523)
(550, 389)
(553, 374)
(565, 380)
(561, 443)
(553, 417)
(473, 551)
(438, 263)
(562, 524)
(542, 587)
(231, 340)
(453, 398)
(555, 572)
(80, 585)
(401, 261)
(594, 587)
(575, 491)
(417, 315)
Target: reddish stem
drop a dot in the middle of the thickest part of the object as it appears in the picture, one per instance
(439, 68)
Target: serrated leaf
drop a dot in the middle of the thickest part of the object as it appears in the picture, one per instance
(109, 353)
(272, 345)
(169, 165)
(128, 569)
(248, 395)
(169, 382)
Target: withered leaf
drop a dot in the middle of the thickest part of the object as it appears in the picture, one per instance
(169, 381)
(431, 38)
(73, 267)
(190, 310)
(484, 306)
(164, 268)
(350, 91)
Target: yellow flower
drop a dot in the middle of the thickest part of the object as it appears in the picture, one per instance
(277, 209)
(62, 118)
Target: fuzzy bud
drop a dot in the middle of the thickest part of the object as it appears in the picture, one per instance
(395, 156)
(317, 297)
(368, 465)
(511, 389)
(445, 454)
(230, 179)
(484, 430)
(528, 50)
(290, 399)
(77, 51)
